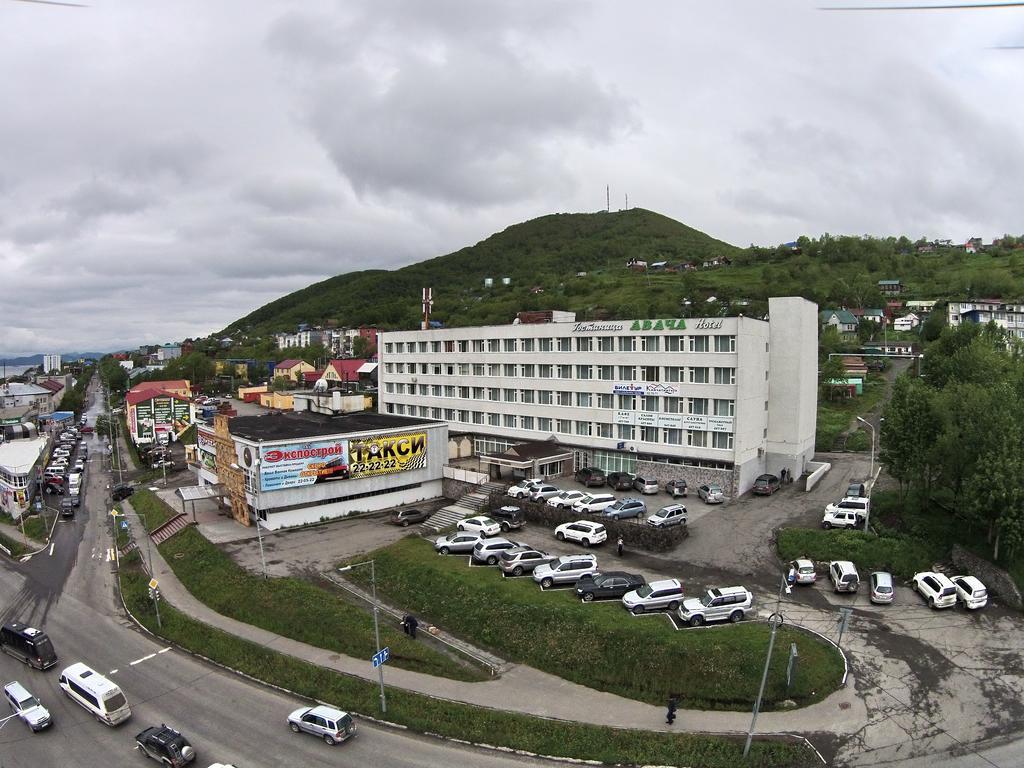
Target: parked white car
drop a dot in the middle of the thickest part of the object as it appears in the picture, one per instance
(593, 502)
(936, 588)
(565, 499)
(482, 525)
(585, 532)
(523, 488)
(841, 518)
(970, 591)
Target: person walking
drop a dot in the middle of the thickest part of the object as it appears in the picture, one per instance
(412, 623)
(619, 546)
(673, 703)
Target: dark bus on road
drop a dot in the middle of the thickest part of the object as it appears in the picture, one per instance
(29, 644)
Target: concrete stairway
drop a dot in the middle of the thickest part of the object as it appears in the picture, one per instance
(164, 532)
(469, 504)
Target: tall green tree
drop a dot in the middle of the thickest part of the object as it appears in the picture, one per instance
(909, 431)
(996, 495)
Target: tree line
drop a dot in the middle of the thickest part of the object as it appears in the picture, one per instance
(954, 435)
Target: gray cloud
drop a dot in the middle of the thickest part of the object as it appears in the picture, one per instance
(174, 167)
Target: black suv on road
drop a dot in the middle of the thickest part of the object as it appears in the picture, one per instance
(509, 518)
(165, 745)
(621, 481)
(121, 491)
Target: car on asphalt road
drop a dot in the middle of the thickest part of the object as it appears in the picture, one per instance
(509, 517)
(719, 604)
(593, 503)
(676, 488)
(673, 514)
(26, 707)
(520, 560)
(406, 517)
(590, 476)
(970, 591)
(459, 542)
(711, 494)
(611, 584)
(79, 465)
(564, 570)
(844, 576)
(523, 488)
(488, 551)
(855, 490)
(87, 430)
(646, 485)
(479, 524)
(881, 590)
(165, 745)
(857, 504)
(841, 518)
(621, 481)
(766, 485)
(667, 593)
(67, 507)
(544, 492)
(162, 464)
(565, 499)
(936, 589)
(585, 532)
(803, 571)
(330, 724)
(625, 508)
(121, 491)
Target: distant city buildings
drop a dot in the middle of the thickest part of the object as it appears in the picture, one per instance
(1007, 316)
(51, 363)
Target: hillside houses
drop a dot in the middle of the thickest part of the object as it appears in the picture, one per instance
(637, 265)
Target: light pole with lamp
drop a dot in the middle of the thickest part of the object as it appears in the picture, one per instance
(869, 425)
(376, 622)
(775, 621)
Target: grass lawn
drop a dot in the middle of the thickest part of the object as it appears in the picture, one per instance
(297, 609)
(900, 554)
(16, 547)
(150, 507)
(600, 645)
(36, 527)
(423, 714)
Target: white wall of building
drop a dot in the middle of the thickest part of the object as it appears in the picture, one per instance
(51, 363)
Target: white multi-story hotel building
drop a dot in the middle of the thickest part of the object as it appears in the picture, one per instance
(708, 400)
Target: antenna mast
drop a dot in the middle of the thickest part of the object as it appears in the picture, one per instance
(607, 199)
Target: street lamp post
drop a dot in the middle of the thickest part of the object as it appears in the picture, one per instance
(774, 620)
(376, 622)
(259, 536)
(870, 426)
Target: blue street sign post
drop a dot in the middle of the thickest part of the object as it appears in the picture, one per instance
(381, 656)
(124, 525)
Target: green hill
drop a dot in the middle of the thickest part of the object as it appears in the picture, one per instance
(543, 259)
(547, 252)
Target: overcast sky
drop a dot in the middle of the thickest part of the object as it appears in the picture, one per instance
(167, 167)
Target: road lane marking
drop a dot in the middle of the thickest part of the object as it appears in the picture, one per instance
(163, 650)
(113, 671)
(54, 544)
(139, 661)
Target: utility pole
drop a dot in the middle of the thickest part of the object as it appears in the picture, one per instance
(775, 620)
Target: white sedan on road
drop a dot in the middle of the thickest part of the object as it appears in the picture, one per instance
(482, 525)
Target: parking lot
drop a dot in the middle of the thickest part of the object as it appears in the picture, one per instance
(926, 680)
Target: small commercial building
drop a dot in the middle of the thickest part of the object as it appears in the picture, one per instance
(296, 468)
(19, 465)
(158, 411)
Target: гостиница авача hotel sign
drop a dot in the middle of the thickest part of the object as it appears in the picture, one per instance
(671, 324)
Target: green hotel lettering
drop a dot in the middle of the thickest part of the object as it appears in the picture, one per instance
(658, 325)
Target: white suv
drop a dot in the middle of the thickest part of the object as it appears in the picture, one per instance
(583, 531)
(657, 594)
(936, 588)
(730, 603)
(523, 488)
(846, 513)
(565, 570)
(565, 499)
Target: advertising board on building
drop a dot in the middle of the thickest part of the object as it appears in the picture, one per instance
(318, 461)
(651, 388)
(207, 448)
(145, 423)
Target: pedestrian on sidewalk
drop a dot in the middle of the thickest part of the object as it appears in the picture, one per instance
(673, 703)
(412, 624)
(405, 624)
(619, 546)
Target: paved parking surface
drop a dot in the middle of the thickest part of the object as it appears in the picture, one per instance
(929, 683)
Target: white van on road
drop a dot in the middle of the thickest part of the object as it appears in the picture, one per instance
(95, 694)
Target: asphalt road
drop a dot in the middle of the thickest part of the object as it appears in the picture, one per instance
(70, 593)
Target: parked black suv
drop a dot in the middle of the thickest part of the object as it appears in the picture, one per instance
(509, 518)
(590, 476)
(121, 491)
(67, 507)
(165, 745)
(621, 481)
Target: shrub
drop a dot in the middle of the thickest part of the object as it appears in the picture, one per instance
(899, 554)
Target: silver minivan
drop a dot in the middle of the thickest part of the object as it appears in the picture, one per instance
(646, 484)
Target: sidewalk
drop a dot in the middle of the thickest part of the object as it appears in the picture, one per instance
(14, 533)
(528, 691)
